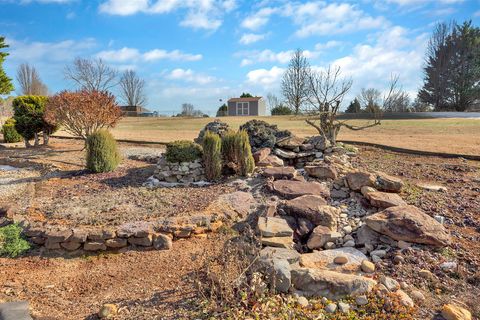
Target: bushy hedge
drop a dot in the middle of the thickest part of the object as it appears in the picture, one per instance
(12, 244)
(10, 134)
(212, 155)
(183, 151)
(102, 152)
(281, 110)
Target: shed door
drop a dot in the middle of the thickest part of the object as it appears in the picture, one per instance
(243, 108)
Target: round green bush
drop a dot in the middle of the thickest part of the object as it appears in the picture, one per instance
(12, 244)
(183, 151)
(281, 110)
(10, 134)
(102, 152)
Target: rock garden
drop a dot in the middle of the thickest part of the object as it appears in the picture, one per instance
(306, 229)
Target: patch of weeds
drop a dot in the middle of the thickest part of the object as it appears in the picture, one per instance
(12, 244)
(350, 148)
(388, 156)
(413, 193)
(448, 252)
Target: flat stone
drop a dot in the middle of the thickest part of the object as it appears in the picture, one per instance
(307, 207)
(365, 190)
(278, 242)
(279, 173)
(322, 171)
(116, 243)
(292, 189)
(141, 241)
(79, 235)
(432, 187)
(284, 154)
(71, 246)
(58, 235)
(391, 284)
(101, 234)
(94, 246)
(274, 227)
(135, 229)
(17, 310)
(384, 199)
(388, 183)
(282, 275)
(326, 259)
(357, 180)
(292, 256)
(320, 236)
(330, 284)
(408, 223)
(271, 161)
(453, 312)
(291, 143)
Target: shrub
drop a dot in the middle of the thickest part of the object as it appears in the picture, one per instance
(212, 155)
(10, 134)
(83, 112)
(243, 151)
(29, 118)
(281, 110)
(228, 146)
(222, 111)
(183, 151)
(12, 244)
(102, 152)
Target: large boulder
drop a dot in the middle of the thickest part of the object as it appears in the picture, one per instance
(410, 224)
(279, 173)
(217, 126)
(313, 208)
(384, 199)
(330, 284)
(263, 134)
(292, 189)
(325, 259)
(357, 180)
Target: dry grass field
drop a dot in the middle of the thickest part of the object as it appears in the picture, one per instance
(439, 135)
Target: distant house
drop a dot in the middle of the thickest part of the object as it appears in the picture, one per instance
(254, 106)
(133, 111)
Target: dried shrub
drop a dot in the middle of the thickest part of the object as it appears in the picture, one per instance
(102, 152)
(183, 151)
(243, 151)
(10, 134)
(212, 155)
(83, 112)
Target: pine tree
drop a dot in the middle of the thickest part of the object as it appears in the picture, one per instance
(6, 85)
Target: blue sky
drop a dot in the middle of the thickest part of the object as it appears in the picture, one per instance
(200, 51)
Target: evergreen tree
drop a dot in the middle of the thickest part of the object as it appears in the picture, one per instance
(354, 107)
(6, 85)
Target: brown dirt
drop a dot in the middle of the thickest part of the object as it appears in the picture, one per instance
(460, 205)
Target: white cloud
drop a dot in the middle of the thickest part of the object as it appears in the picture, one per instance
(131, 54)
(422, 2)
(249, 38)
(328, 45)
(200, 14)
(264, 77)
(258, 19)
(188, 75)
(267, 55)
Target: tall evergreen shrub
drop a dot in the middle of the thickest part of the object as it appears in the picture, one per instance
(243, 151)
(212, 155)
(102, 152)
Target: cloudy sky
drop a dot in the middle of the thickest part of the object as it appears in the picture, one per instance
(200, 51)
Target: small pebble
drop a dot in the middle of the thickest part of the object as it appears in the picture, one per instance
(398, 259)
(367, 266)
(340, 260)
(417, 296)
(329, 245)
(361, 300)
(302, 301)
(343, 307)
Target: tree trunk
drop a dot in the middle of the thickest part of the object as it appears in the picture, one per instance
(46, 137)
(36, 142)
(27, 143)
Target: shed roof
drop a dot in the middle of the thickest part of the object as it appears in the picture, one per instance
(244, 99)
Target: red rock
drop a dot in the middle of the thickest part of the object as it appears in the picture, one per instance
(292, 189)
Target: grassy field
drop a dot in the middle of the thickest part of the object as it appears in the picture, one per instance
(440, 135)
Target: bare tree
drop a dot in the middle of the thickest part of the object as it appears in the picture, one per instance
(91, 74)
(187, 109)
(29, 81)
(326, 91)
(294, 82)
(272, 101)
(133, 89)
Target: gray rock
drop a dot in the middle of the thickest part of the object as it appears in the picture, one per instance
(274, 227)
(302, 301)
(391, 284)
(343, 307)
(161, 242)
(330, 284)
(292, 256)
(282, 275)
(325, 259)
(331, 308)
(361, 300)
(18, 310)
